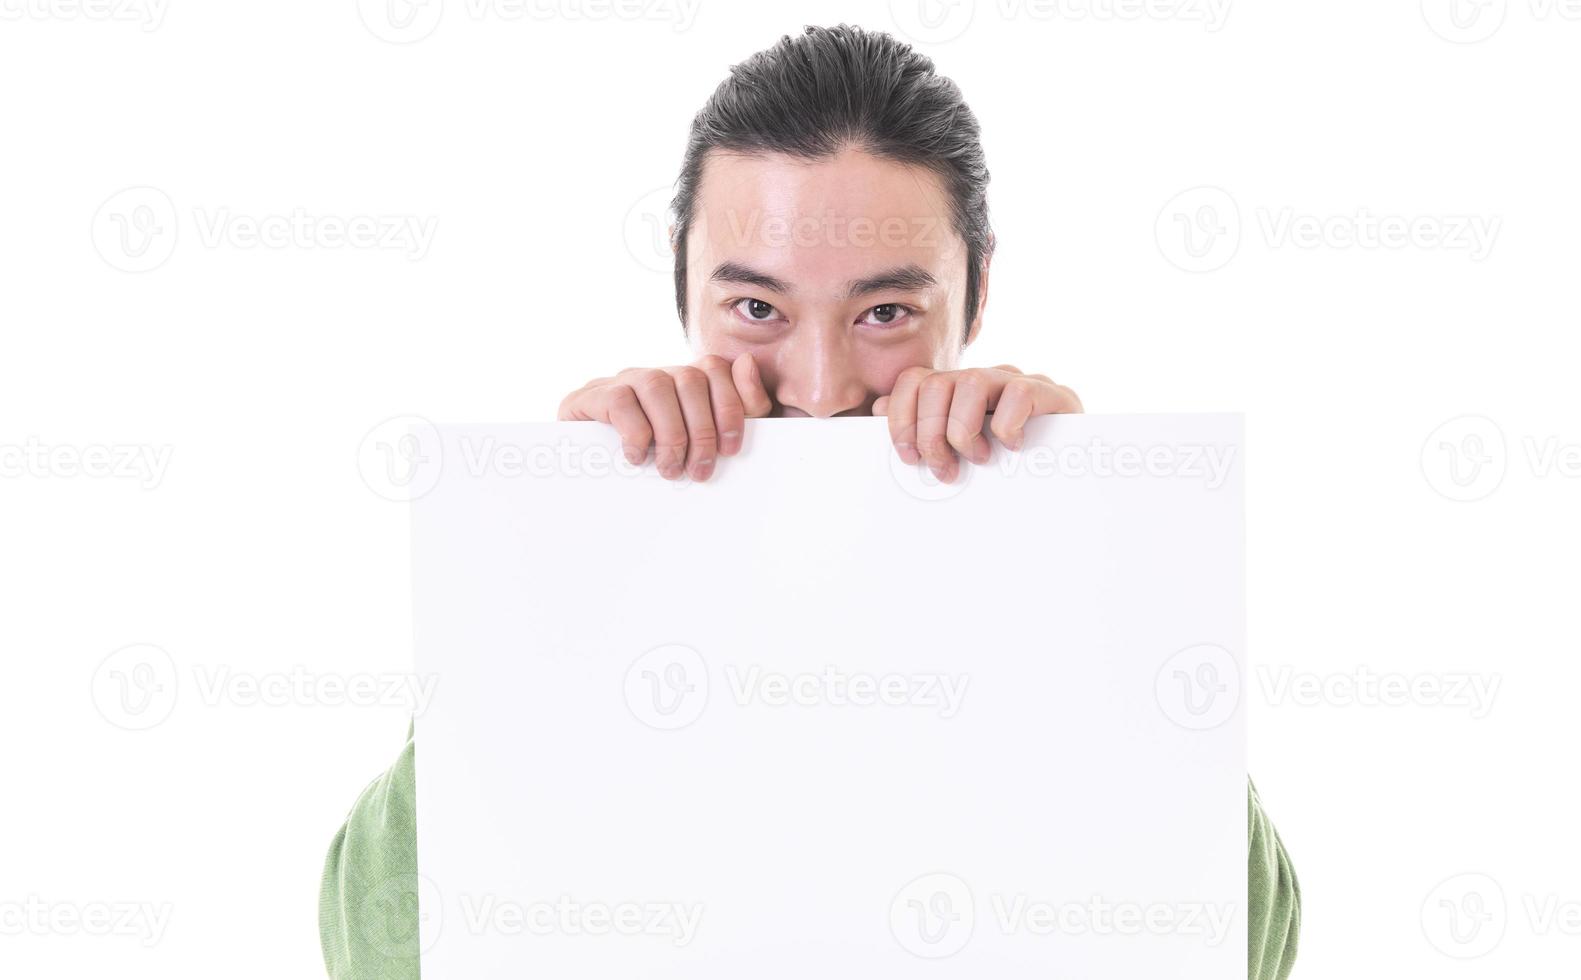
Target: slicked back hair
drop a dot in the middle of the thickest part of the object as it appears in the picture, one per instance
(831, 88)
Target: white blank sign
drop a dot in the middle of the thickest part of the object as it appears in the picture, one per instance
(822, 716)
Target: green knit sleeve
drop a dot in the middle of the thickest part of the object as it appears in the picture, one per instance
(367, 902)
(1273, 898)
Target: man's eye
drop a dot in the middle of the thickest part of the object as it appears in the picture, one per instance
(756, 309)
(886, 315)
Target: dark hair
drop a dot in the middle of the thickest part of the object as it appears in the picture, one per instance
(836, 87)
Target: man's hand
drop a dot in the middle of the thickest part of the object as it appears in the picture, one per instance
(935, 415)
(691, 415)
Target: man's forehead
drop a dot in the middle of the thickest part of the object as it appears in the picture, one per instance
(831, 215)
(848, 177)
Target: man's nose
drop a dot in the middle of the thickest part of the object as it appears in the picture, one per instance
(820, 377)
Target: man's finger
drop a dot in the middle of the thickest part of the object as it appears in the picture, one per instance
(934, 395)
(1024, 398)
(755, 400)
(900, 406)
(692, 390)
(625, 413)
(728, 410)
(975, 393)
(655, 391)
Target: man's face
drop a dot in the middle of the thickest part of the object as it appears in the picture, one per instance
(835, 274)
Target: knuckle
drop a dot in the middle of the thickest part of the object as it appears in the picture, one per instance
(1020, 387)
(960, 434)
(654, 383)
(690, 380)
(934, 446)
(622, 396)
(973, 382)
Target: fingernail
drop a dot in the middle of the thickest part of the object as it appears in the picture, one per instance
(703, 470)
(635, 456)
(908, 453)
(729, 442)
(980, 452)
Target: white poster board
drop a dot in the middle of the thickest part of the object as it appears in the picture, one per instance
(821, 716)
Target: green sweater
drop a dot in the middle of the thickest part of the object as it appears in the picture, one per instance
(367, 903)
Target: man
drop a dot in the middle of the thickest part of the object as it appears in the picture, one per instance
(832, 251)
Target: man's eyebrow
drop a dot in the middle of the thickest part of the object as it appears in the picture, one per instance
(901, 277)
(738, 273)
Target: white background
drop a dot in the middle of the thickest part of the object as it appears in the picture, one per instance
(533, 146)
